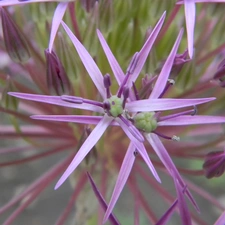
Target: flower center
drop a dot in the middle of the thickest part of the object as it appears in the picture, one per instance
(145, 121)
(115, 106)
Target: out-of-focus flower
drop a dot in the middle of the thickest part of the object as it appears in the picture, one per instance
(57, 79)
(15, 42)
(214, 164)
(190, 16)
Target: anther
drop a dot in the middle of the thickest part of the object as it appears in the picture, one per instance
(125, 95)
(195, 111)
(107, 84)
(133, 63)
(175, 138)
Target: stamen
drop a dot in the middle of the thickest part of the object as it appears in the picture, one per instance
(191, 112)
(130, 70)
(146, 86)
(173, 138)
(133, 130)
(72, 99)
(170, 83)
(78, 100)
(125, 96)
(135, 91)
(107, 84)
(133, 63)
(195, 110)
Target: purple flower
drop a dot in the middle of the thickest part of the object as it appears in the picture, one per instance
(138, 118)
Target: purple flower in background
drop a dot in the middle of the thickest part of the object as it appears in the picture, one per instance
(57, 18)
(190, 15)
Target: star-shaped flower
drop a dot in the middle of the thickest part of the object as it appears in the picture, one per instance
(137, 117)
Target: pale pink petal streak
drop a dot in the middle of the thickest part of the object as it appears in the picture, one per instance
(191, 120)
(67, 118)
(161, 104)
(118, 72)
(165, 72)
(89, 143)
(124, 173)
(144, 52)
(189, 8)
(17, 2)
(88, 62)
(56, 20)
(55, 100)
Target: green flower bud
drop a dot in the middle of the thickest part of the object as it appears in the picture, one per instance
(145, 121)
(116, 106)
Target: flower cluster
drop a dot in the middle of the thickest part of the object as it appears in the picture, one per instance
(113, 129)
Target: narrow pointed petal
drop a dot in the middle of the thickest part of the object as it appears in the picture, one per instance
(165, 72)
(161, 104)
(141, 149)
(165, 218)
(144, 52)
(56, 20)
(88, 62)
(89, 143)
(183, 208)
(124, 173)
(191, 120)
(67, 118)
(118, 72)
(221, 219)
(162, 153)
(112, 218)
(17, 2)
(55, 100)
(189, 8)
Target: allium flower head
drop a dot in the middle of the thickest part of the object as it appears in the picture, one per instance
(137, 117)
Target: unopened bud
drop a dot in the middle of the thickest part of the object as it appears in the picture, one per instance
(15, 41)
(57, 79)
(178, 63)
(214, 164)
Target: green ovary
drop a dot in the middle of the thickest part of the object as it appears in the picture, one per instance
(145, 121)
(116, 106)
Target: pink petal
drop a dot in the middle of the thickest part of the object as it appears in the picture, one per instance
(165, 72)
(189, 7)
(141, 149)
(88, 62)
(56, 20)
(162, 153)
(183, 208)
(124, 173)
(118, 72)
(16, 2)
(68, 118)
(55, 100)
(190, 120)
(221, 219)
(101, 200)
(161, 104)
(144, 52)
(89, 143)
